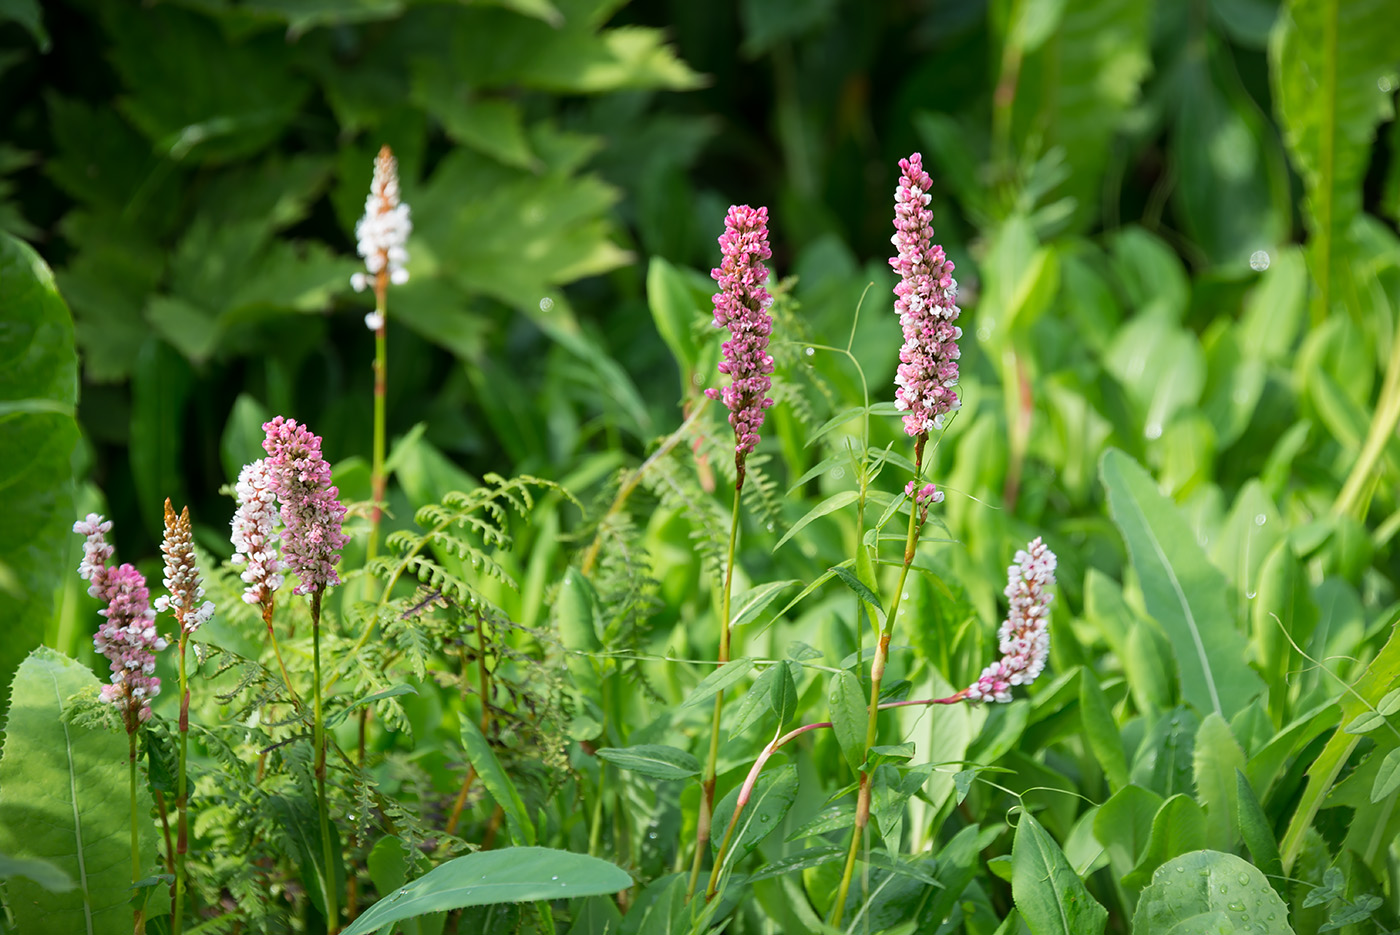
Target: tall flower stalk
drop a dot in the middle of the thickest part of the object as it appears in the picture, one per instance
(185, 602)
(741, 305)
(382, 235)
(129, 640)
(312, 520)
(926, 392)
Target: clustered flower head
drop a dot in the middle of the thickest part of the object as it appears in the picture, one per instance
(741, 305)
(928, 361)
(383, 231)
(926, 497)
(128, 636)
(182, 574)
(312, 515)
(1024, 635)
(255, 533)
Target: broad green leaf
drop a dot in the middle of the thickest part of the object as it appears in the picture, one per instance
(1049, 894)
(494, 778)
(388, 868)
(675, 311)
(597, 916)
(1101, 731)
(1123, 826)
(38, 391)
(1375, 683)
(63, 799)
(755, 700)
(42, 872)
(718, 680)
(849, 716)
(660, 909)
(749, 605)
(653, 759)
(510, 875)
(1216, 759)
(1179, 826)
(1258, 834)
(1182, 590)
(1387, 777)
(783, 694)
(831, 504)
(1283, 615)
(1207, 891)
(1327, 60)
(768, 805)
(297, 822)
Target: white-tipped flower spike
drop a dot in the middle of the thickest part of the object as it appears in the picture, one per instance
(1025, 634)
(383, 231)
(255, 533)
(182, 574)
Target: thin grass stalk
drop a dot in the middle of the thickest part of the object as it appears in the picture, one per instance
(177, 917)
(318, 730)
(139, 914)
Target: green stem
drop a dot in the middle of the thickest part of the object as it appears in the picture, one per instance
(138, 918)
(318, 739)
(381, 378)
(877, 674)
(707, 797)
(177, 916)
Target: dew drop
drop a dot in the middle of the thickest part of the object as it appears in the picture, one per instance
(770, 527)
(1180, 869)
(1224, 889)
(904, 596)
(810, 351)
(837, 473)
(1153, 430)
(1260, 519)
(1259, 261)
(1243, 878)
(554, 878)
(697, 379)
(546, 304)
(1385, 84)
(983, 334)
(652, 835)
(1236, 906)
(1250, 595)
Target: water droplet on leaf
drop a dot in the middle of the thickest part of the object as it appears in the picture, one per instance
(1259, 261)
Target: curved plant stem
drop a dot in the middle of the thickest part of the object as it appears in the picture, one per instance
(272, 636)
(177, 916)
(877, 673)
(707, 795)
(484, 687)
(318, 731)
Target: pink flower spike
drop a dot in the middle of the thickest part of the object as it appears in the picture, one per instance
(383, 231)
(741, 305)
(927, 496)
(928, 361)
(255, 533)
(1024, 635)
(182, 574)
(312, 515)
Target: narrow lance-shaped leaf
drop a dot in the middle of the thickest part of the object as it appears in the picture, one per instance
(652, 759)
(1049, 894)
(1182, 589)
(494, 778)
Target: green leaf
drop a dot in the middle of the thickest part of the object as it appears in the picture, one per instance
(1388, 777)
(1327, 60)
(831, 504)
(1123, 825)
(160, 389)
(510, 875)
(1182, 590)
(1049, 894)
(580, 626)
(296, 819)
(1207, 891)
(358, 703)
(388, 868)
(1258, 834)
(660, 909)
(753, 602)
(849, 716)
(718, 680)
(1101, 731)
(768, 805)
(675, 312)
(38, 390)
(63, 799)
(1389, 704)
(859, 587)
(755, 700)
(783, 694)
(653, 759)
(1179, 826)
(494, 778)
(27, 14)
(1216, 759)
(42, 872)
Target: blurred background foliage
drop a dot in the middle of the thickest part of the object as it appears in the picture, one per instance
(1174, 222)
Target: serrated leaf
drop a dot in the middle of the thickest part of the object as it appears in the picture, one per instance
(653, 759)
(509, 875)
(38, 391)
(1049, 894)
(494, 778)
(718, 680)
(63, 800)
(1182, 590)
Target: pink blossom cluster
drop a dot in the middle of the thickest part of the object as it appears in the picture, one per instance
(1024, 635)
(182, 574)
(741, 305)
(255, 533)
(926, 497)
(312, 515)
(382, 233)
(128, 636)
(928, 361)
